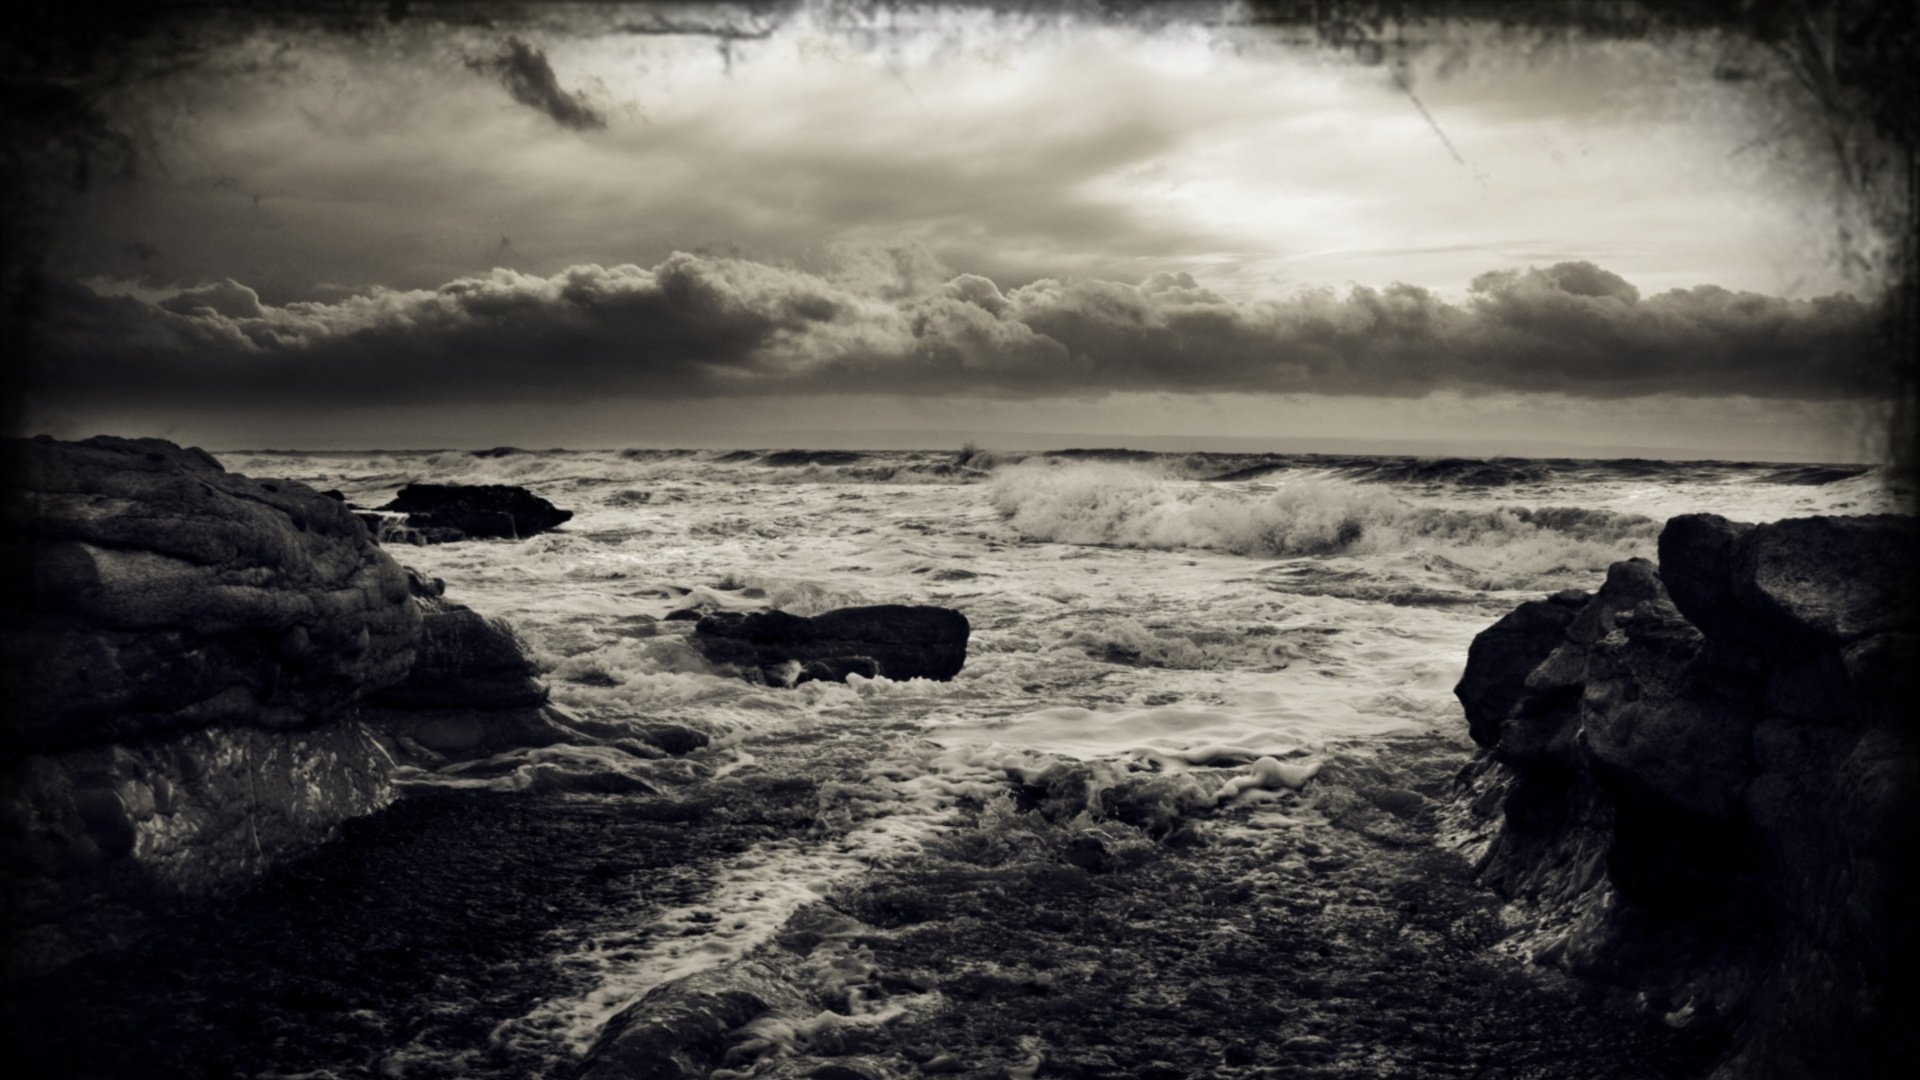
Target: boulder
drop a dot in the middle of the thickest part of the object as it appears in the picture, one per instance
(1501, 656)
(1696, 564)
(1822, 582)
(682, 1030)
(168, 594)
(165, 594)
(780, 649)
(1728, 738)
(444, 513)
(186, 651)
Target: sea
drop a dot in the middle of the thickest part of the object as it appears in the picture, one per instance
(1233, 617)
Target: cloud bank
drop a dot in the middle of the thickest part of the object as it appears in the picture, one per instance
(701, 325)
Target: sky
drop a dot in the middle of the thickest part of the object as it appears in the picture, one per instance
(942, 223)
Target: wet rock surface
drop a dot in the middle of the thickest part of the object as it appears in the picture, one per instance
(184, 654)
(1323, 935)
(1320, 934)
(398, 948)
(472, 691)
(1702, 786)
(1352, 949)
(446, 513)
(211, 673)
(895, 640)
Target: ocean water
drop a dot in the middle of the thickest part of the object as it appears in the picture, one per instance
(1231, 619)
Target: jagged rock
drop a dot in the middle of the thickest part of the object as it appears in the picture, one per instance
(1696, 564)
(1501, 656)
(894, 640)
(186, 652)
(104, 838)
(1732, 733)
(444, 513)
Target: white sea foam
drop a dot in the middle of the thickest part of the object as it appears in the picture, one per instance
(1224, 637)
(1505, 546)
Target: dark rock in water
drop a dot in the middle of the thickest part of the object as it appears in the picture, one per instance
(675, 739)
(677, 1031)
(186, 652)
(498, 452)
(1720, 816)
(894, 640)
(419, 585)
(444, 513)
(465, 661)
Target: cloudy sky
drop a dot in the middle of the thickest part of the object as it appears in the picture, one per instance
(948, 223)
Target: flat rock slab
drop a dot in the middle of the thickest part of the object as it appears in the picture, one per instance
(444, 513)
(897, 641)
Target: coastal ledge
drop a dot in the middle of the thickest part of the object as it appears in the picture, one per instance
(1700, 784)
(208, 674)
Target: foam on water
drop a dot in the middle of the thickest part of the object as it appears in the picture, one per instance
(1136, 615)
(1509, 546)
(877, 820)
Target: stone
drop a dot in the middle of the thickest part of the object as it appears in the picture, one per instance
(472, 691)
(187, 652)
(166, 594)
(1500, 658)
(1696, 565)
(679, 1031)
(445, 513)
(464, 660)
(894, 640)
(1819, 582)
(1730, 739)
(105, 838)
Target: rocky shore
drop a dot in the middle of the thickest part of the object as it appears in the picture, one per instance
(1672, 840)
(1704, 779)
(209, 674)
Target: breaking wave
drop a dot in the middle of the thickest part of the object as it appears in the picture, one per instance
(1115, 506)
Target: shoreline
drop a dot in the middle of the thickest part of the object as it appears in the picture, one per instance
(1351, 949)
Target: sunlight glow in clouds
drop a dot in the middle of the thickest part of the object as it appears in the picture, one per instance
(956, 203)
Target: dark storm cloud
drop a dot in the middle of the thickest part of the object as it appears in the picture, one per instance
(707, 325)
(527, 75)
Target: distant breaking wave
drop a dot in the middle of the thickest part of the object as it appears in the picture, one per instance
(1116, 506)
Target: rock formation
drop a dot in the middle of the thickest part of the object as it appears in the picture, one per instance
(894, 640)
(678, 1031)
(471, 692)
(1705, 780)
(443, 513)
(185, 650)
(209, 673)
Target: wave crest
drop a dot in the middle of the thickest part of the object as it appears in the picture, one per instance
(1116, 506)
